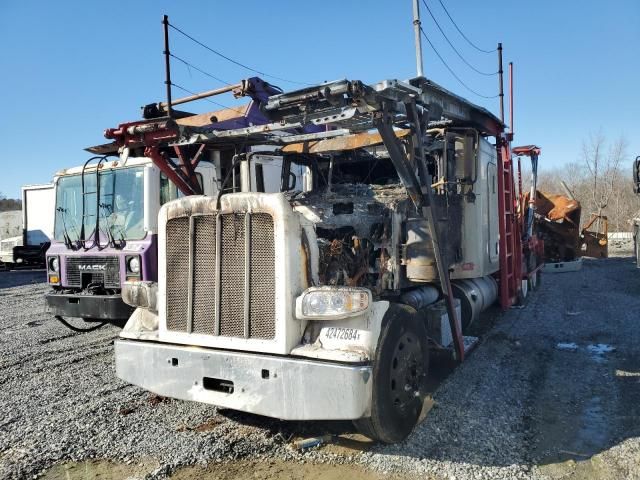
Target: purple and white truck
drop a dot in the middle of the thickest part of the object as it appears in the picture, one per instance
(105, 233)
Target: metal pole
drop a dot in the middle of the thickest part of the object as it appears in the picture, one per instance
(167, 63)
(567, 190)
(417, 27)
(199, 96)
(500, 72)
(511, 98)
(532, 193)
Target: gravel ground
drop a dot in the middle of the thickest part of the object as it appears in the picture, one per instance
(551, 392)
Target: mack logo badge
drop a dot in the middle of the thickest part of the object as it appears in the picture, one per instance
(92, 267)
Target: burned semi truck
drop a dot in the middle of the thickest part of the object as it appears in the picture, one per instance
(314, 302)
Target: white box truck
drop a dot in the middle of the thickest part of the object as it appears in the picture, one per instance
(29, 248)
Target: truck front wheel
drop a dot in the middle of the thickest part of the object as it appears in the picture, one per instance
(399, 377)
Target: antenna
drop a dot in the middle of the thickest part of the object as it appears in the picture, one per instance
(417, 27)
(511, 98)
(501, 83)
(167, 62)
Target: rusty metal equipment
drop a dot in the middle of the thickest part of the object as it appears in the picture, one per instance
(595, 242)
(154, 136)
(558, 222)
(532, 242)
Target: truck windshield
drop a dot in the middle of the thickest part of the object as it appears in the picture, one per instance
(120, 207)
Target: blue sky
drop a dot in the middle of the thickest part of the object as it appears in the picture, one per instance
(71, 69)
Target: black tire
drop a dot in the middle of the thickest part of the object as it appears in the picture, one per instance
(402, 360)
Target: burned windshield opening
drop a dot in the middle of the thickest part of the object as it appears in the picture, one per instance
(451, 157)
(346, 168)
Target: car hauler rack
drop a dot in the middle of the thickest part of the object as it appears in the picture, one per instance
(389, 192)
(178, 161)
(106, 210)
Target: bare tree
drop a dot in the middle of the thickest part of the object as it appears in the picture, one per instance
(599, 180)
(603, 165)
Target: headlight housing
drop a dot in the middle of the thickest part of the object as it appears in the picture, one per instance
(140, 294)
(54, 264)
(133, 265)
(332, 303)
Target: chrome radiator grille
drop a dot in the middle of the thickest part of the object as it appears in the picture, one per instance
(83, 270)
(222, 281)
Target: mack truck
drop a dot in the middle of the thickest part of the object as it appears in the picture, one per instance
(106, 211)
(105, 232)
(395, 224)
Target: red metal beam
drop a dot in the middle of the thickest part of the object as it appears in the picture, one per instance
(150, 134)
(509, 226)
(188, 168)
(196, 158)
(143, 133)
(166, 166)
(185, 165)
(526, 150)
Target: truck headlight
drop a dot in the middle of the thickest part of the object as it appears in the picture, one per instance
(133, 264)
(54, 264)
(326, 303)
(140, 294)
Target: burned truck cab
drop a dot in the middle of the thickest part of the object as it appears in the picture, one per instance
(369, 233)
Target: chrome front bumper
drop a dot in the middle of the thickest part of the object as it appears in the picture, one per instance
(281, 387)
